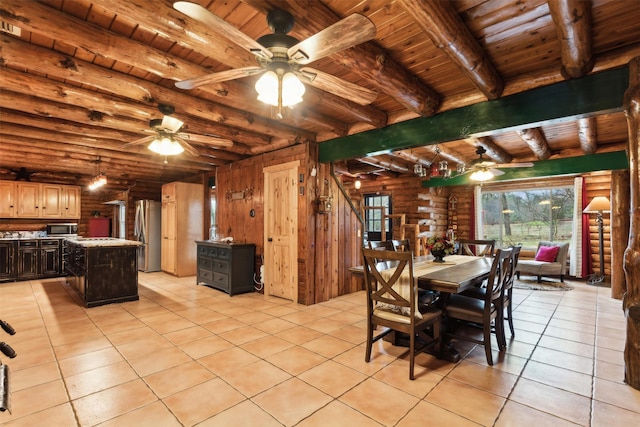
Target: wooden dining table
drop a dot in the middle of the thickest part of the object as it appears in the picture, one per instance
(455, 275)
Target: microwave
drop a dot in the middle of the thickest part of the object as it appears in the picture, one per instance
(62, 229)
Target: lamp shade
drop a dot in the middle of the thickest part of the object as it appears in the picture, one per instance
(598, 204)
(358, 184)
(268, 87)
(166, 146)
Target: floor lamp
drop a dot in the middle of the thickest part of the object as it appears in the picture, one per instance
(598, 205)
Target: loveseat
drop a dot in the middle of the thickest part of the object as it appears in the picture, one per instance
(548, 262)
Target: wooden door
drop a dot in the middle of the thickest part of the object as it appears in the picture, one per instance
(281, 231)
(51, 200)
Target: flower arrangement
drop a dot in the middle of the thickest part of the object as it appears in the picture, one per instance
(440, 243)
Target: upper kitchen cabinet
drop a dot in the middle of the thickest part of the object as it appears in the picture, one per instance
(7, 199)
(39, 200)
(182, 225)
(71, 200)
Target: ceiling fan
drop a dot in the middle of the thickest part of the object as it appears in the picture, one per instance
(483, 169)
(282, 56)
(167, 140)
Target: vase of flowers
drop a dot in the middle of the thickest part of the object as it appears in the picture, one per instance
(439, 247)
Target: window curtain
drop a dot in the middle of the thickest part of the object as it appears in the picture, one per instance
(576, 255)
(476, 231)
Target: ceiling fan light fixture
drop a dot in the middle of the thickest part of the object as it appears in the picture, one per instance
(280, 89)
(481, 175)
(165, 146)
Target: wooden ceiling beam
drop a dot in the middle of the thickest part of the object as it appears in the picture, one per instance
(95, 40)
(591, 95)
(220, 120)
(86, 144)
(536, 141)
(588, 134)
(88, 135)
(572, 19)
(367, 60)
(442, 24)
(492, 149)
(63, 152)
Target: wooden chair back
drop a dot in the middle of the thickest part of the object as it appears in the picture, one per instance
(475, 247)
(386, 245)
(379, 289)
(401, 245)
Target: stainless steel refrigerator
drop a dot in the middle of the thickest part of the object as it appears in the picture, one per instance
(147, 229)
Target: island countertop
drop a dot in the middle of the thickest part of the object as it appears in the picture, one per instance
(101, 242)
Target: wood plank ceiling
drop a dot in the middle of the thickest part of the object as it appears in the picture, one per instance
(85, 77)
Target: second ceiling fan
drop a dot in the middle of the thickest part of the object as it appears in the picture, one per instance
(282, 59)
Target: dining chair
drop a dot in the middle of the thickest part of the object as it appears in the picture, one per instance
(393, 304)
(484, 312)
(475, 247)
(386, 245)
(401, 245)
(507, 291)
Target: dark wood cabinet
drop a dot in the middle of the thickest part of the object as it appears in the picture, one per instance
(228, 267)
(102, 275)
(8, 260)
(28, 257)
(50, 259)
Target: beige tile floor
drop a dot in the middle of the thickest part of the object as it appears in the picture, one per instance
(189, 355)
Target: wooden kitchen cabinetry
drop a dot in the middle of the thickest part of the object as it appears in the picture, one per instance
(38, 200)
(228, 267)
(7, 199)
(182, 225)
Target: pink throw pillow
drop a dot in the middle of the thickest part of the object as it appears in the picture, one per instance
(547, 253)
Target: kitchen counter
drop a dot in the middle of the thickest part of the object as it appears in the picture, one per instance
(102, 270)
(101, 242)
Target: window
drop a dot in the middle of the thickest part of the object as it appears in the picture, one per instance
(527, 216)
(373, 217)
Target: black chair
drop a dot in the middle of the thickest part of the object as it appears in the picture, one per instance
(389, 306)
(474, 247)
(483, 312)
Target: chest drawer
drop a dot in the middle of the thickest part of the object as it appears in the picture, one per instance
(221, 280)
(221, 266)
(205, 263)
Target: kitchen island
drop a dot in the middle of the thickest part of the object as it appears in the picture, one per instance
(102, 270)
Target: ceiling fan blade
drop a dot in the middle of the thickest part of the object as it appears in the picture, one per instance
(496, 172)
(208, 139)
(515, 165)
(142, 140)
(171, 123)
(348, 32)
(221, 76)
(221, 27)
(187, 147)
(337, 86)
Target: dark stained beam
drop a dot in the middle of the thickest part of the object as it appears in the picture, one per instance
(590, 95)
(616, 160)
